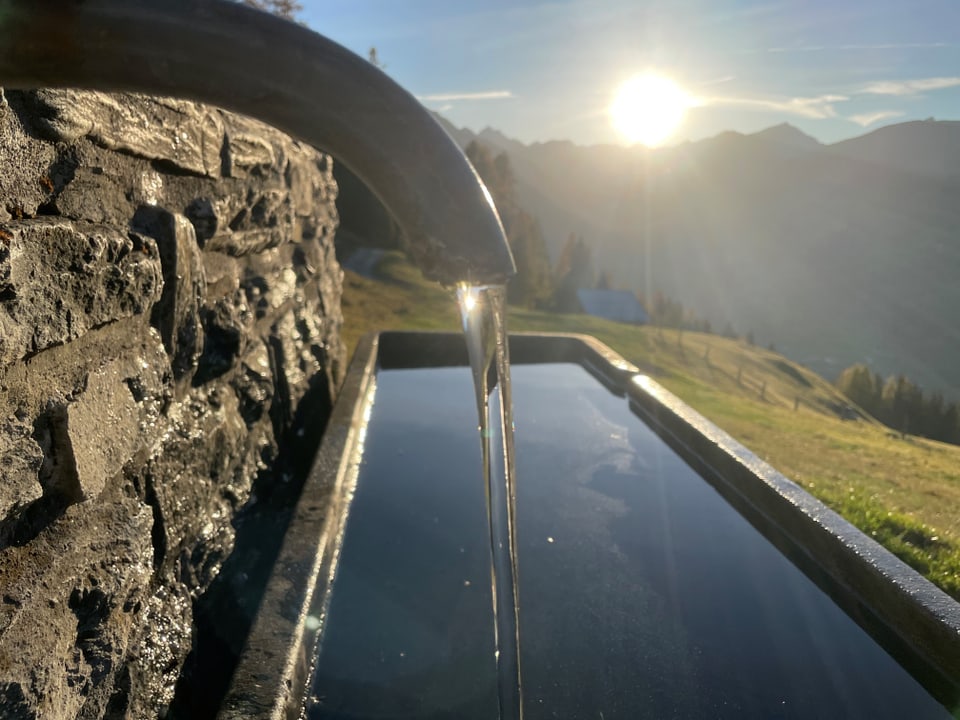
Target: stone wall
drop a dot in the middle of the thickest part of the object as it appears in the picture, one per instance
(168, 296)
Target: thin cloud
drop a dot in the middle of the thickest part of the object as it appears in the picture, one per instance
(899, 46)
(867, 119)
(819, 107)
(822, 107)
(910, 87)
(878, 46)
(719, 81)
(800, 49)
(453, 97)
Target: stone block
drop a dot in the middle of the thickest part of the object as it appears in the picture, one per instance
(177, 314)
(109, 423)
(25, 162)
(185, 134)
(71, 599)
(20, 460)
(163, 642)
(59, 279)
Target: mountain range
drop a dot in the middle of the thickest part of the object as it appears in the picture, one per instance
(836, 254)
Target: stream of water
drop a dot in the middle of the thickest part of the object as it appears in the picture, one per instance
(483, 311)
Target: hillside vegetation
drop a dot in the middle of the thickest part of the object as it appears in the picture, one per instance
(902, 490)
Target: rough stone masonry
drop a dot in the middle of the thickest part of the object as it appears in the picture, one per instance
(168, 296)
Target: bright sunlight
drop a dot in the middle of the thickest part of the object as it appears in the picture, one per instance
(648, 109)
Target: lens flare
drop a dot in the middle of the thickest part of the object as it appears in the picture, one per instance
(468, 297)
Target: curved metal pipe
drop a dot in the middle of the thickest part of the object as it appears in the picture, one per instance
(241, 59)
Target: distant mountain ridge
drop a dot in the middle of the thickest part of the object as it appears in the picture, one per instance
(924, 147)
(787, 137)
(840, 253)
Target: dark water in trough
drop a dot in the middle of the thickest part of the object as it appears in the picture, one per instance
(643, 593)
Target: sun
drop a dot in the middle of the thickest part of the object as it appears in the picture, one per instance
(648, 109)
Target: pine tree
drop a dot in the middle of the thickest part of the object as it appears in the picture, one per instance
(573, 271)
(532, 286)
(604, 280)
(861, 386)
(288, 9)
(482, 161)
(902, 402)
(931, 420)
(951, 424)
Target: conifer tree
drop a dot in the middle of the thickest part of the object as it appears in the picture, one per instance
(288, 9)
(532, 286)
(573, 271)
(861, 386)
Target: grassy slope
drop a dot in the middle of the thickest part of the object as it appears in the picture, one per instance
(905, 491)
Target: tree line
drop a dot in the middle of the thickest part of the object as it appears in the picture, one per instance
(537, 284)
(665, 312)
(533, 284)
(901, 404)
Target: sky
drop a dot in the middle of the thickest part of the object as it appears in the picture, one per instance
(540, 71)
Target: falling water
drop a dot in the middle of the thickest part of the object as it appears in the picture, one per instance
(482, 309)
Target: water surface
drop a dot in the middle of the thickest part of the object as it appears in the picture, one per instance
(643, 593)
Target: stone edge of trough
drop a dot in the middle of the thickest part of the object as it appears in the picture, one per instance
(276, 662)
(880, 591)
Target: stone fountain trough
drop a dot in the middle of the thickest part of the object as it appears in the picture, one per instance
(665, 570)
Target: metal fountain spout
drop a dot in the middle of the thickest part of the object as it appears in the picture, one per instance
(244, 60)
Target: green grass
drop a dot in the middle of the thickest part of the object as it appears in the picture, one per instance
(903, 491)
(401, 301)
(914, 542)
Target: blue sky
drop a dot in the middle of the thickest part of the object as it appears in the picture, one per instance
(547, 70)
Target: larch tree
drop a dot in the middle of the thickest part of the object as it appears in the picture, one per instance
(288, 9)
